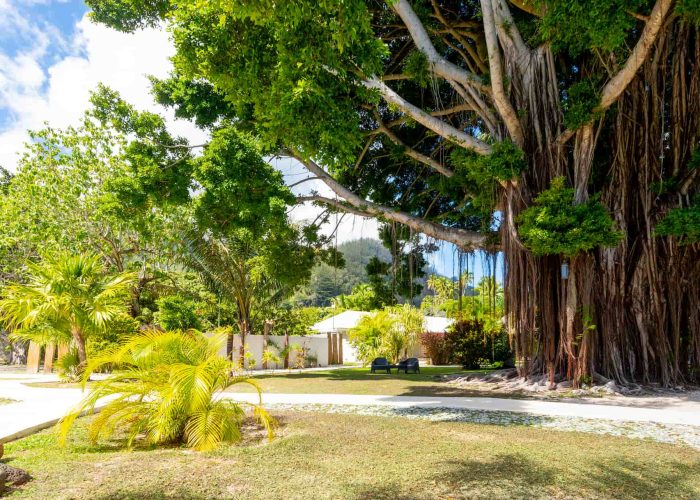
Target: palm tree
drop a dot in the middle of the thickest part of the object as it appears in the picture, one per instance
(168, 391)
(67, 298)
(234, 270)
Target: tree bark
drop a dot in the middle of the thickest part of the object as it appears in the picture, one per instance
(79, 341)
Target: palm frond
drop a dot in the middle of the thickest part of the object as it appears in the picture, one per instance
(169, 390)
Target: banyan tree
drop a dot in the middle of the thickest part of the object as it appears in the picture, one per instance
(563, 133)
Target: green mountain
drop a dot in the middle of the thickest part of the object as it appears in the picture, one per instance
(328, 282)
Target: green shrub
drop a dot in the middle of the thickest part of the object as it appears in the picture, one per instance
(471, 346)
(467, 342)
(177, 313)
(68, 366)
(554, 225)
(168, 391)
(368, 336)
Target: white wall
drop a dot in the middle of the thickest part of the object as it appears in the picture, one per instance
(350, 353)
(317, 345)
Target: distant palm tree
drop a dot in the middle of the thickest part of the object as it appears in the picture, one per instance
(233, 270)
(167, 391)
(67, 298)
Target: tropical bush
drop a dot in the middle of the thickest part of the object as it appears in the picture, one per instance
(472, 346)
(270, 358)
(404, 333)
(389, 333)
(68, 299)
(436, 347)
(467, 342)
(177, 313)
(367, 337)
(167, 392)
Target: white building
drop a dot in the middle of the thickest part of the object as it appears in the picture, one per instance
(345, 321)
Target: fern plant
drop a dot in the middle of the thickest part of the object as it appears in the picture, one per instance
(168, 391)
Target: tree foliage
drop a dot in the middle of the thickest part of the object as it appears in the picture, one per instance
(67, 299)
(167, 391)
(554, 225)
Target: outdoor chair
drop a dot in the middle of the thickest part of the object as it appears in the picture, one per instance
(381, 364)
(410, 364)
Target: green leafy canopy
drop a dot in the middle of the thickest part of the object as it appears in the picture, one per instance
(683, 223)
(555, 225)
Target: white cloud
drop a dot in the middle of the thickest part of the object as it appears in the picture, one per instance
(31, 95)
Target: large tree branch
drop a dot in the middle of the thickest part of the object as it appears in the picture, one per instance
(438, 126)
(337, 204)
(412, 153)
(359, 206)
(617, 85)
(459, 108)
(458, 36)
(500, 98)
(508, 31)
(439, 64)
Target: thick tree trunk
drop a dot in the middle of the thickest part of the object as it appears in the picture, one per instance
(629, 313)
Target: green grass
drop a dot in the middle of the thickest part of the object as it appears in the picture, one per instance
(361, 381)
(349, 456)
(355, 380)
(6, 401)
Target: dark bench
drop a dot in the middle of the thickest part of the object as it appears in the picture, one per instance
(381, 364)
(410, 364)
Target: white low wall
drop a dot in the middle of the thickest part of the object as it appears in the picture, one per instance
(255, 344)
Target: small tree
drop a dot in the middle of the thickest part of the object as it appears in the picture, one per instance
(68, 298)
(437, 347)
(168, 392)
(368, 336)
(405, 332)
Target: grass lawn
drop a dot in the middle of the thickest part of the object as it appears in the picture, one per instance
(355, 380)
(349, 456)
(360, 381)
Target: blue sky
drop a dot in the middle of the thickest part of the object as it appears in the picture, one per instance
(51, 56)
(38, 31)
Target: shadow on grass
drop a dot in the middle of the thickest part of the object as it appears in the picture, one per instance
(515, 476)
(427, 374)
(620, 477)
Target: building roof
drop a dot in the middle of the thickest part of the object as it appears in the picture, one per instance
(340, 322)
(436, 323)
(349, 319)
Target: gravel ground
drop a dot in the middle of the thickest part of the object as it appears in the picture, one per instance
(664, 433)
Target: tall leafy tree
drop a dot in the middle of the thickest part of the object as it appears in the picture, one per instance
(454, 117)
(244, 272)
(67, 299)
(73, 189)
(238, 236)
